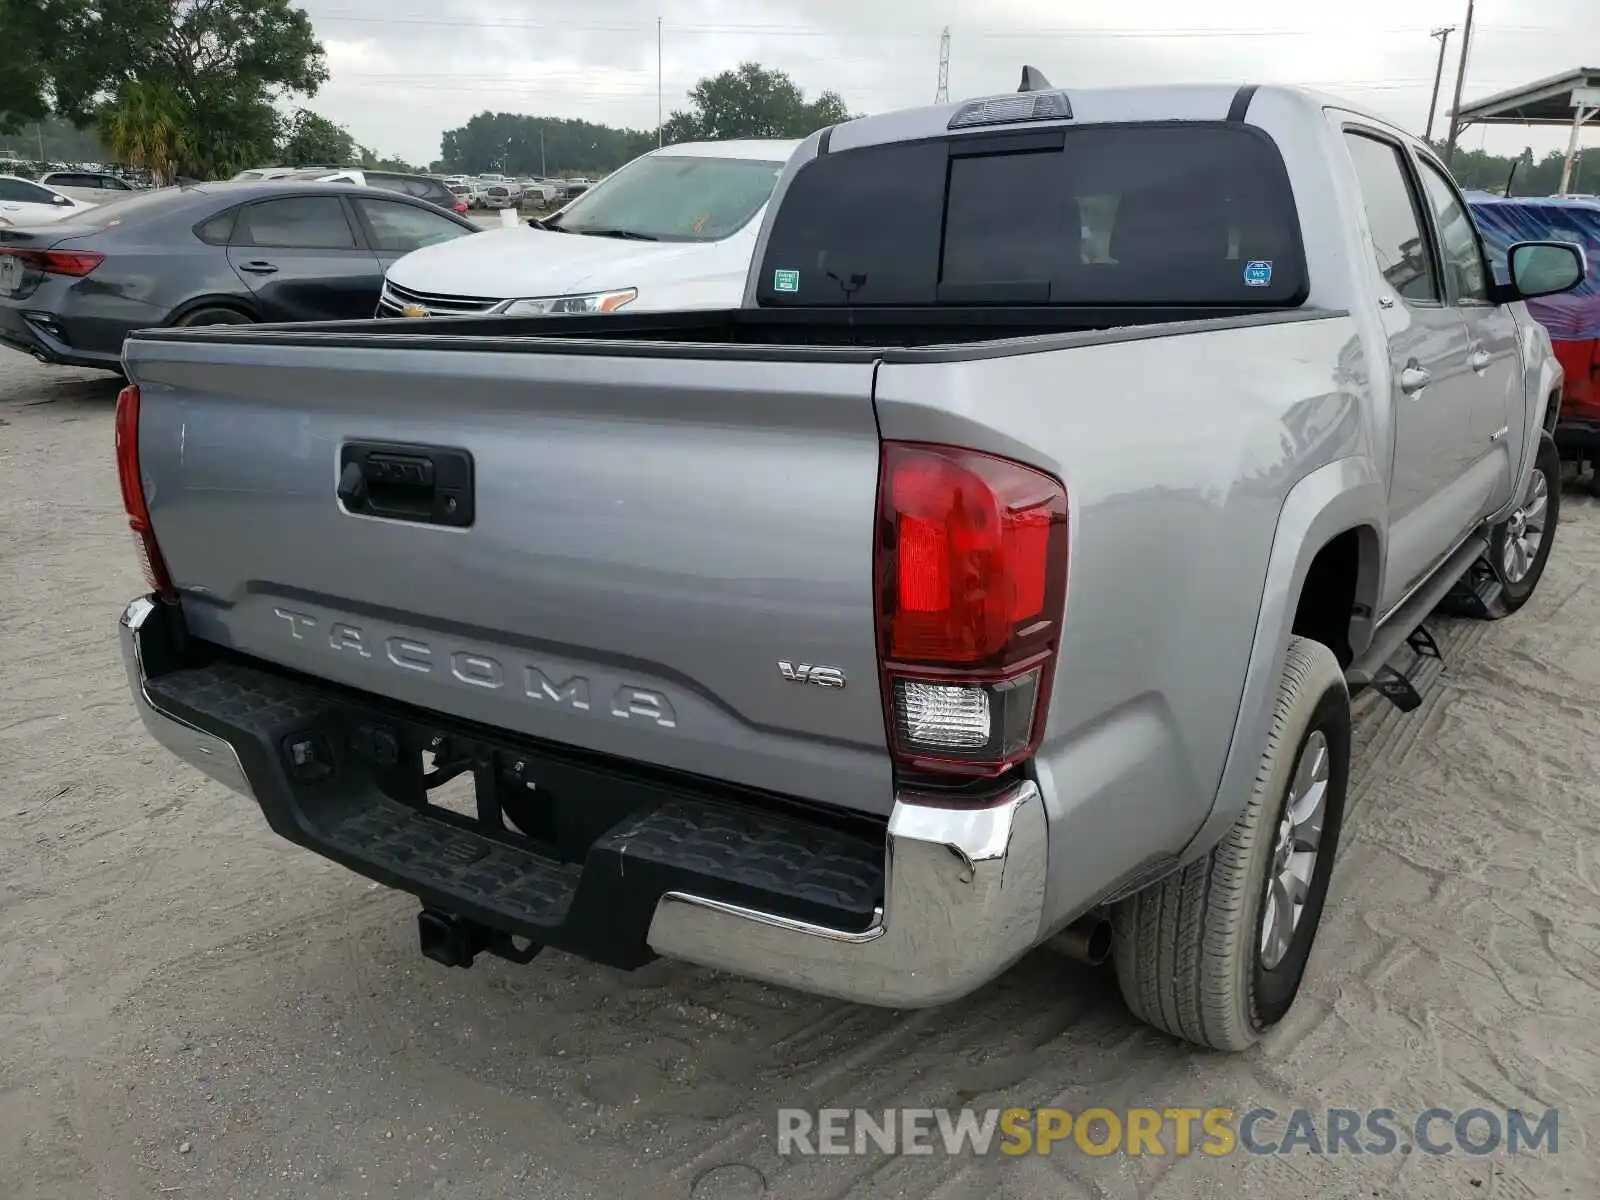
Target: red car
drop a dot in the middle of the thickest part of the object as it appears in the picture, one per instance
(1572, 320)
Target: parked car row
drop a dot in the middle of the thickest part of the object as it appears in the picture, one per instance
(22, 201)
(495, 191)
(71, 289)
(676, 228)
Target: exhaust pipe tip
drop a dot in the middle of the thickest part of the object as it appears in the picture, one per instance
(1088, 940)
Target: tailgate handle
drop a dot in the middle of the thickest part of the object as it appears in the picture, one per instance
(424, 484)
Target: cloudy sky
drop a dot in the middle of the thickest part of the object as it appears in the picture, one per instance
(405, 70)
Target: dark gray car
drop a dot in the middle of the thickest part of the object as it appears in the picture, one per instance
(207, 254)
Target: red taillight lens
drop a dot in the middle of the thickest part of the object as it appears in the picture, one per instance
(144, 537)
(58, 262)
(461, 206)
(972, 575)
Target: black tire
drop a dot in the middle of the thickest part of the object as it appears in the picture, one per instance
(214, 315)
(1517, 570)
(1189, 950)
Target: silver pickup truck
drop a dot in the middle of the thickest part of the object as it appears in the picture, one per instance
(997, 574)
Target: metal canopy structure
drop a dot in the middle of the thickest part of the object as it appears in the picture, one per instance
(1570, 100)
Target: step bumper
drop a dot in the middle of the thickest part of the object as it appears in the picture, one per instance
(953, 895)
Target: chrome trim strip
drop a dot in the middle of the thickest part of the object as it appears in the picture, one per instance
(964, 899)
(210, 754)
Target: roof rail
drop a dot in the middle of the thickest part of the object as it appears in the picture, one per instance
(1033, 80)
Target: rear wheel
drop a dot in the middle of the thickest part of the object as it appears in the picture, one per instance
(1215, 953)
(214, 315)
(1520, 545)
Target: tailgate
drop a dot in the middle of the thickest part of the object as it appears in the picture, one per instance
(652, 534)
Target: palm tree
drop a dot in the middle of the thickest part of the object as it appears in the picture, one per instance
(148, 125)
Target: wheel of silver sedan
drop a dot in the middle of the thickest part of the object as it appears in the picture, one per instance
(1295, 850)
(1525, 530)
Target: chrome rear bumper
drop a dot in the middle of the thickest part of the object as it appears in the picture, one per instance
(964, 886)
(964, 896)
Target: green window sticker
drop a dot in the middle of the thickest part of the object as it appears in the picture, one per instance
(786, 281)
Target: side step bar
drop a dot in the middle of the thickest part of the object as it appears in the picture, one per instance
(1405, 685)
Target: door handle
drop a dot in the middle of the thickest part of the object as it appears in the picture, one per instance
(257, 267)
(1480, 360)
(1414, 379)
(426, 484)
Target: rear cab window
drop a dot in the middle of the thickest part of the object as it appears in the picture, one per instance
(1164, 214)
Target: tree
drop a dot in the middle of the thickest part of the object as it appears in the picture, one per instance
(311, 139)
(215, 67)
(1534, 176)
(30, 29)
(373, 161)
(148, 125)
(521, 145)
(752, 102)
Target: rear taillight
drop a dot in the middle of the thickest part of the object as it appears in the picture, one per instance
(971, 564)
(58, 262)
(461, 206)
(144, 537)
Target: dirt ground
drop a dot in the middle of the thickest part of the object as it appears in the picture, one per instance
(190, 1007)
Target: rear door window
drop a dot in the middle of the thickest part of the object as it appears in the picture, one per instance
(1172, 214)
(1394, 217)
(19, 191)
(296, 222)
(404, 227)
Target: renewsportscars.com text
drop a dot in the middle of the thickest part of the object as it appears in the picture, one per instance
(1214, 1132)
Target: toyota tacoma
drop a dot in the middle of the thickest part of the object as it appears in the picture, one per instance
(998, 573)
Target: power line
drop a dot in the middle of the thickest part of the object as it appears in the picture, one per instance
(580, 80)
(1019, 32)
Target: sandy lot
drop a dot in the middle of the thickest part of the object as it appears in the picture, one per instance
(189, 1007)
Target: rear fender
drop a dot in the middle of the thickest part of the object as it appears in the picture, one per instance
(1341, 496)
(238, 305)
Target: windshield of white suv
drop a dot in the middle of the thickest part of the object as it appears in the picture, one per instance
(672, 198)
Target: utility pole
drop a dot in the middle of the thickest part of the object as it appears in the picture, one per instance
(544, 172)
(658, 84)
(941, 95)
(1438, 77)
(1461, 79)
(38, 129)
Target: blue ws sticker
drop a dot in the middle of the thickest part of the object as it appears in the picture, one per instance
(1258, 273)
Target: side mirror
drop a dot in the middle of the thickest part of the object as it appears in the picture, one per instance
(1545, 268)
(59, 199)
